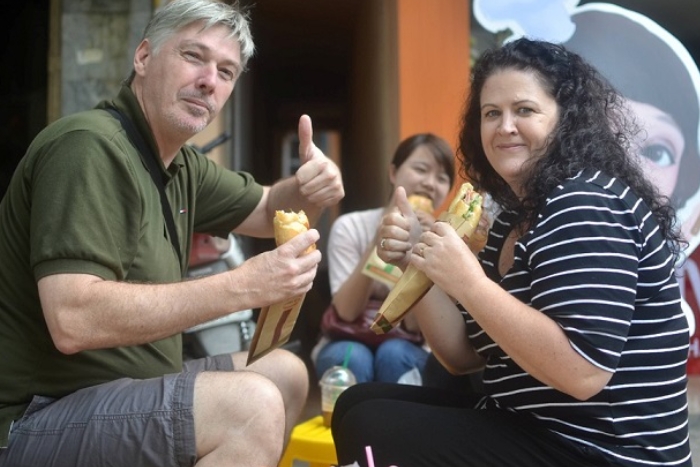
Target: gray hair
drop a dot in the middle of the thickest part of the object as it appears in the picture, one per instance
(181, 13)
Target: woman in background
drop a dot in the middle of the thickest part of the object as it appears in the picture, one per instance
(424, 165)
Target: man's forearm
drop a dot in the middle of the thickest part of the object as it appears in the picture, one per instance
(104, 314)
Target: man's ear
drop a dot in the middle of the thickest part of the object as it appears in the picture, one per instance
(141, 56)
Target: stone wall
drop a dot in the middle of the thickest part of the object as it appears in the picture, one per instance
(98, 38)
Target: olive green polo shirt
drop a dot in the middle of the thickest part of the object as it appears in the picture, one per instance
(82, 201)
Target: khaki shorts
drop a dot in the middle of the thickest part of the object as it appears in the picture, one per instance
(127, 422)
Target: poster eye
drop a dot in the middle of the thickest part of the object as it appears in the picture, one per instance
(660, 154)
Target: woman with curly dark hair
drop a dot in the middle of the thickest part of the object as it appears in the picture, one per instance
(573, 309)
(582, 141)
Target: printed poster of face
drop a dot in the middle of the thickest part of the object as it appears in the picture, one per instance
(661, 82)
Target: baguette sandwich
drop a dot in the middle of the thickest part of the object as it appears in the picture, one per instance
(421, 203)
(463, 215)
(276, 322)
(464, 211)
(290, 224)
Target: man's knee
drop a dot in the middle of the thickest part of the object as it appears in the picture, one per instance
(242, 392)
(284, 369)
(241, 407)
(236, 412)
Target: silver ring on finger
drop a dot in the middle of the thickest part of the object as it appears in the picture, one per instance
(382, 244)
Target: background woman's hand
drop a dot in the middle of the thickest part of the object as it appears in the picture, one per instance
(398, 231)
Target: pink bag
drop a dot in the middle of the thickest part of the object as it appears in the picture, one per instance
(359, 330)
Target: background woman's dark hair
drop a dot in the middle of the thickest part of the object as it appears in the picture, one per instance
(437, 146)
(593, 132)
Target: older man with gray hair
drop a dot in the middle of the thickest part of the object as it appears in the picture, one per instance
(96, 231)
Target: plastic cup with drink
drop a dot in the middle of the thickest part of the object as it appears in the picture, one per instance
(334, 381)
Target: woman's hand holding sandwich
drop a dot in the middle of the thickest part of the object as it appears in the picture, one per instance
(442, 246)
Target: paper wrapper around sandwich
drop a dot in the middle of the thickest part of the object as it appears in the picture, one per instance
(274, 327)
(412, 285)
(276, 322)
(378, 270)
(386, 273)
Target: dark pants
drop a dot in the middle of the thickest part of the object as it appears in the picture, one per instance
(436, 376)
(410, 426)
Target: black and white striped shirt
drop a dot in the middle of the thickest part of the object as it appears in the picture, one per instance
(596, 263)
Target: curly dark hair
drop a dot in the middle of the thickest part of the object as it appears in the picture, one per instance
(594, 131)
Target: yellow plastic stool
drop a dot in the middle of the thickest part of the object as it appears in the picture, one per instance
(311, 441)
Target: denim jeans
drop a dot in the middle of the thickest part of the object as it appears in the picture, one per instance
(387, 363)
